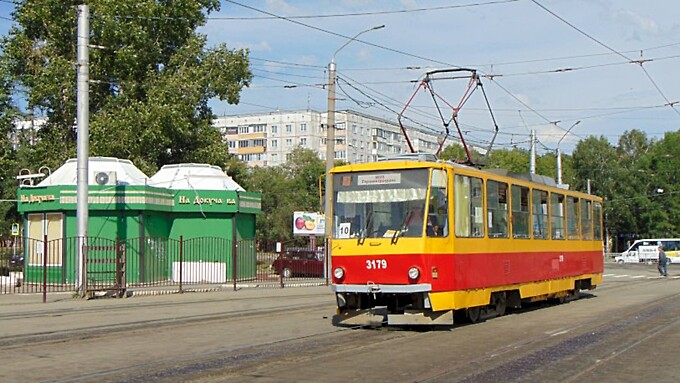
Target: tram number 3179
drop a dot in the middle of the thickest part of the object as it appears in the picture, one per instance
(376, 264)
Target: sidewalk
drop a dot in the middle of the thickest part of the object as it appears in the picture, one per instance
(249, 290)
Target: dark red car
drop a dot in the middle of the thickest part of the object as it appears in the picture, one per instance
(299, 262)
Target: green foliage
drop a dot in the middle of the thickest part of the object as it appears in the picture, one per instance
(516, 160)
(293, 186)
(151, 79)
(8, 159)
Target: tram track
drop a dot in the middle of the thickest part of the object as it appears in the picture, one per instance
(291, 339)
(542, 357)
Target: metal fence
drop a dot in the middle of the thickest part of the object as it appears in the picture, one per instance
(29, 265)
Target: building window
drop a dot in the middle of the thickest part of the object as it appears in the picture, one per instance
(259, 128)
(289, 142)
(303, 141)
(274, 143)
(275, 129)
(243, 144)
(232, 144)
(243, 130)
(303, 127)
(289, 156)
(259, 142)
(289, 128)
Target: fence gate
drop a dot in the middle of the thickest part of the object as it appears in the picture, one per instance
(104, 266)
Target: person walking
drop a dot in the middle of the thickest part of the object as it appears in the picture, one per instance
(663, 260)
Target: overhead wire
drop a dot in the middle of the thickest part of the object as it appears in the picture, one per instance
(354, 14)
(639, 62)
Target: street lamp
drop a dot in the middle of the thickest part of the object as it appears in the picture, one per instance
(559, 153)
(330, 131)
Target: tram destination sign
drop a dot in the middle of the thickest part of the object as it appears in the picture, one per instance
(379, 179)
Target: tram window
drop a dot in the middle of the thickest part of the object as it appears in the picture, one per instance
(572, 218)
(557, 215)
(539, 210)
(520, 211)
(437, 218)
(586, 220)
(467, 199)
(597, 220)
(497, 209)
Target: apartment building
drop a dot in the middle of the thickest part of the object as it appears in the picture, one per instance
(267, 139)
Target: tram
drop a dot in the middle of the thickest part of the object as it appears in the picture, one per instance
(420, 241)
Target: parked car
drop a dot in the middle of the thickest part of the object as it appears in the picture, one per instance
(299, 262)
(17, 261)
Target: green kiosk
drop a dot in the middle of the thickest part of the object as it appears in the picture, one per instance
(183, 224)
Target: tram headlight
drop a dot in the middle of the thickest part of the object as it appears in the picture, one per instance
(338, 273)
(413, 273)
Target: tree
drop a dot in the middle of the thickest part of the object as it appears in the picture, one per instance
(8, 160)
(515, 160)
(150, 81)
(456, 153)
(664, 171)
(293, 186)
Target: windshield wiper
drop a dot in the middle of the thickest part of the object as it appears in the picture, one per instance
(402, 227)
(362, 233)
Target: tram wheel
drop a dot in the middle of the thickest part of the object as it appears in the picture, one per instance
(500, 303)
(474, 314)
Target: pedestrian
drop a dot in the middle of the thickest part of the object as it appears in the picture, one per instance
(662, 262)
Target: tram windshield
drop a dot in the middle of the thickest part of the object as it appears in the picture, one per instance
(380, 204)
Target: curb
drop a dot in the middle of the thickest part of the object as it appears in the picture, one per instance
(142, 293)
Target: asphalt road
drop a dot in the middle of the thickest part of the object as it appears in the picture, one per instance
(627, 330)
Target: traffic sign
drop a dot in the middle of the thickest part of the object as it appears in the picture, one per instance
(15, 229)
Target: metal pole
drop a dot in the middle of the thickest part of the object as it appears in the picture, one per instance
(532, 160)
(234, 248)
(330, 147)
(181, 266)
(83, 116)
(44, 286)
(559, 166)
(559, 153)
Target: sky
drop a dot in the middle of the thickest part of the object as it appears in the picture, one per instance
(566, 69)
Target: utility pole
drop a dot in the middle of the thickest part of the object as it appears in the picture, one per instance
(83, 149)
(559, 153)
(532, 159)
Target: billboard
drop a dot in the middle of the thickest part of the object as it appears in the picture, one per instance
(307, 223)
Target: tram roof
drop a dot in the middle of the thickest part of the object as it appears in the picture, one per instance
(415, 160)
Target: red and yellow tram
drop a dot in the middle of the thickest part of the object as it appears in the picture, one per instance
(428, 242)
